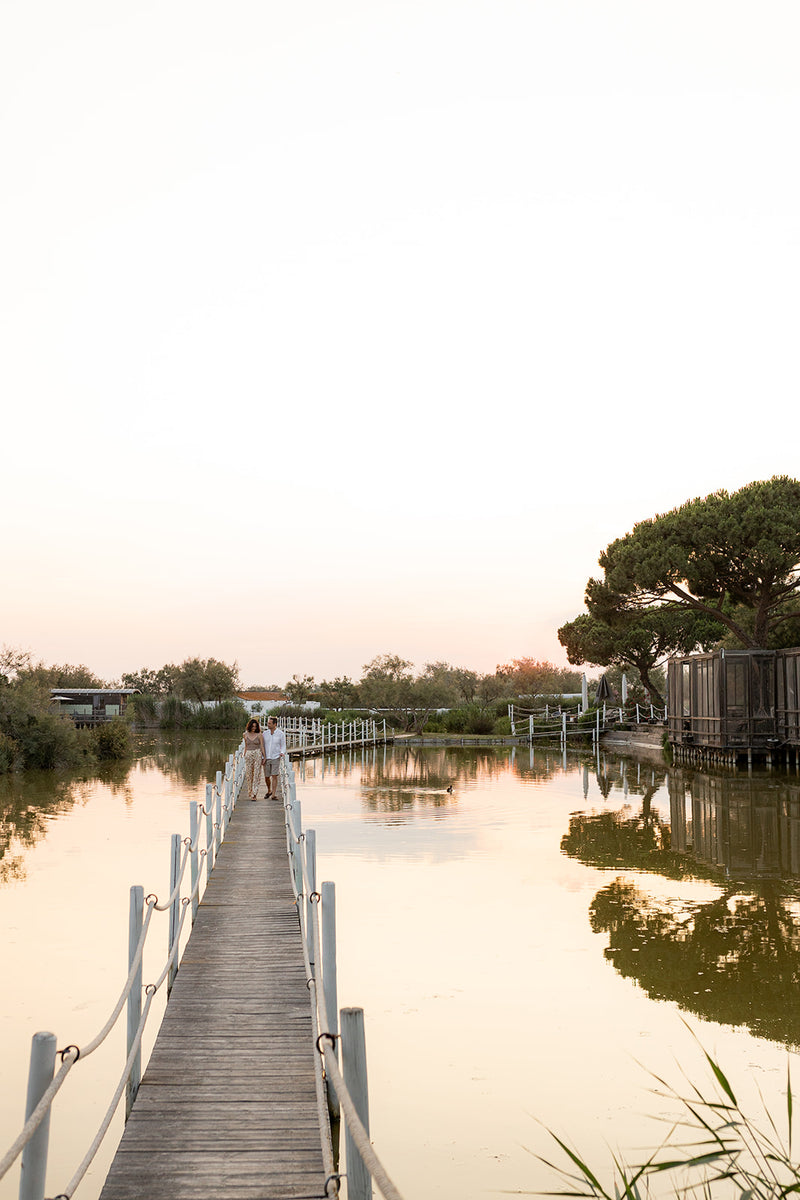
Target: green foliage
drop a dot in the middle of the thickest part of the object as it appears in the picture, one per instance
(530, 677)
(142, 710)
(638, 639)
(299, 689)
(230, 714)
(714, 1148)
(112, 739)
(153, 683)
(502, 727)
(338, 693)
(34, 735)
(206, 679)
(175, 714)
(713, 555)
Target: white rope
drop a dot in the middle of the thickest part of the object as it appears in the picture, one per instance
(357, 1130)
(112, 1020)
(115, 1099)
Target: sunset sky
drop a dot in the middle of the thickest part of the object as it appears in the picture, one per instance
(336, 328)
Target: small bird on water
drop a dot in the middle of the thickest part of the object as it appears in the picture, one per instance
(449, 789)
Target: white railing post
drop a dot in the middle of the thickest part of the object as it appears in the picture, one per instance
(311, 874)
(218, 839)
(209, 807)
(194, 853)
(354, 1063)
(174, 908)
(297, 810)
(34, 1156)
(135, 916)
(330, 987)
(228, 791)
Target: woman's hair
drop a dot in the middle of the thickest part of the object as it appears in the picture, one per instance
(250, 724)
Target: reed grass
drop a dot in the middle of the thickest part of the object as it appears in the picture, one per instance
(713, 1149)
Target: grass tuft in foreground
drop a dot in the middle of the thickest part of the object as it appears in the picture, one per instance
(713, 1149)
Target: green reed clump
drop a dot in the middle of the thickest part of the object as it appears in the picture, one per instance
(713, 1148)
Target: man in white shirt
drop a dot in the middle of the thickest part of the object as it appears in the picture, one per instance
(274, 750)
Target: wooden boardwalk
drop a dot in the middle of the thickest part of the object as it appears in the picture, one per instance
(227, 1105)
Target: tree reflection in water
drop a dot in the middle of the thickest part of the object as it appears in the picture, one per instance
(27, 804)
(734, 959)
(29, 800)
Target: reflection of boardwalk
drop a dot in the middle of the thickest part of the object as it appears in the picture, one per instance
(227, 1105)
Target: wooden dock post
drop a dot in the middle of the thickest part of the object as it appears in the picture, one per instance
(354, 1062)
(34, 1156)
(135, 915)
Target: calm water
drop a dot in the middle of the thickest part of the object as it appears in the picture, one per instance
(526, 948)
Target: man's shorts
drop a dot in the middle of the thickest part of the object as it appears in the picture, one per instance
(271, 766)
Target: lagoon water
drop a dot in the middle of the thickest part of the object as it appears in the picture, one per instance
(527, 948)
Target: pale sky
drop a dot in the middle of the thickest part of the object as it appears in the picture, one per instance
(456, 291)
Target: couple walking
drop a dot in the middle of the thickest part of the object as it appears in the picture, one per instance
(266, 746)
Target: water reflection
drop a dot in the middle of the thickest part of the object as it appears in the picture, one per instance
(27, 804)
(734, 958)
(30, 800)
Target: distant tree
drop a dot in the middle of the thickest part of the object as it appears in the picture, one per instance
(492, 687)
(200, 679)
(12, 662)
(530, 677)
(388, 684)
(65, 675)
(642, 640)
(340, 692)
(299, 688)
(720, 555)
(222, 679)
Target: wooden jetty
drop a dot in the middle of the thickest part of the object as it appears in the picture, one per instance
(227, 1106)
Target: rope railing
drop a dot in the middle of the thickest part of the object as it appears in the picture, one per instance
(43, 1049)
(324, 1020)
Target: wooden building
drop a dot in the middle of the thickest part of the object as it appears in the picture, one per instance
(91, 706)
(723, 704)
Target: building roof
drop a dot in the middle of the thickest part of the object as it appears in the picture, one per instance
(62, 692)
(262, 696)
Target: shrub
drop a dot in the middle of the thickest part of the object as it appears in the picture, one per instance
(8, 753)
(455, 721)
(142, 710)
(174, 713)
(502, 726)
(112, 739)
(229, 714)
(479, 721)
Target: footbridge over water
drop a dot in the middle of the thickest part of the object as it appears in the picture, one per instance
(253, 1066)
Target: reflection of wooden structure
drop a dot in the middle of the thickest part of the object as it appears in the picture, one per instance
(732, 822)
(734, 702)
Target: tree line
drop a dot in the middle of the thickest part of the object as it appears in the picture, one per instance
(719, 571)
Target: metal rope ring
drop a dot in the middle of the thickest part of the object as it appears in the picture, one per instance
(335, 1179)
(315, 896)
(187, 841)
(301, 837)
(150, 990)
(203, 853)
(331, 1038)
(216, 824)
(186, 900)
(66, 1051)
(309, 982)
(151, 896)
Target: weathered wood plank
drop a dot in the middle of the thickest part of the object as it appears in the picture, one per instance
(227, 1106)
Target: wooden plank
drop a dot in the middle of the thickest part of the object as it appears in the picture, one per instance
(227, 1106)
